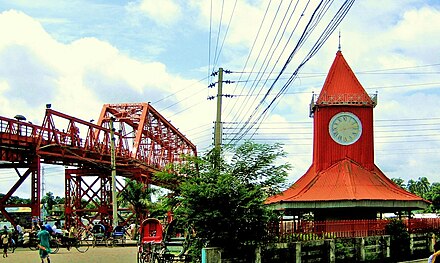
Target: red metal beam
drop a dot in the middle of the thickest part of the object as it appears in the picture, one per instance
(145, 143)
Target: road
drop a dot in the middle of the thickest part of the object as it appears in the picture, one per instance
(417, 261)
(94, 255)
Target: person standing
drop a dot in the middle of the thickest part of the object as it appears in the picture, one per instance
(43, 244)
(133, 231)
(19, 229)
(434, 258)
(5, 241)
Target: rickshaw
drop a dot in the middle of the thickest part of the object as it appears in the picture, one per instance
(118, 235)
(150, 240)
(99, 234)
(159, 246)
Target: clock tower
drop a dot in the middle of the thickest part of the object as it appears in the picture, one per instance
(343, 119)
(343, 181)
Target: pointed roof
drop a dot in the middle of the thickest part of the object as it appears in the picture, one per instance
(347, 181)
(342, 87)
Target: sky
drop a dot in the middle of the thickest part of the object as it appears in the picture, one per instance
(81, 54)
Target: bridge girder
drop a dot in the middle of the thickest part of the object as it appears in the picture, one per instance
(144, 143)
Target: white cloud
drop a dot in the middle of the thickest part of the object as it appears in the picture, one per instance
(79, 77)
(165, 13)
(412, 30)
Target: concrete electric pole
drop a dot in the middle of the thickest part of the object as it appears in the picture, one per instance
(113, 168)
(218, 122)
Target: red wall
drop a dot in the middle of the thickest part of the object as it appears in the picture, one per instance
(326, 151)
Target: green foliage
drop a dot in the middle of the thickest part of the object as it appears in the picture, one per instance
(16, 200)
(424, 189)
(223, 200)
(434, 196)
(400, 182)
(419, 187)
(138, 195)
(48, 200)
(400, 239)
(344, 249)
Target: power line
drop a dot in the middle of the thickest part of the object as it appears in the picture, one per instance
(315, 19)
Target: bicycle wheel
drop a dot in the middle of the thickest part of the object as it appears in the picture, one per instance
(140, 257)
(33, 244)
(54, 246)
(11, 247)
(82, 245)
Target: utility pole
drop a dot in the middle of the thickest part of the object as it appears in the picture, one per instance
(218, 122)
(43, 186)
(113, 168)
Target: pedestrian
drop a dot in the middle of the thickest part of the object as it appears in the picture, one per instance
(133, 231)
(43, 244)
(19, 229)
(5, 241)
(434, 258)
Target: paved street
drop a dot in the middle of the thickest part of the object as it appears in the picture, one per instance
(94, 255)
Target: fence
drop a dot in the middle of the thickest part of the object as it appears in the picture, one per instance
(292, 230)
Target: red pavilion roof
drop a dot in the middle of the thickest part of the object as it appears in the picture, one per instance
(343, 181)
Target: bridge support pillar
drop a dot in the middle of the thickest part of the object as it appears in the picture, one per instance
(33, 169)
(88, 197)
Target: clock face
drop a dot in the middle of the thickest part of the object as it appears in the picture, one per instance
(345, 128)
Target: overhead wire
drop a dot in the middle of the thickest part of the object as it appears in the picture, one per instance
(209, 44)
(216, 56)
(260, 75)
(226, 33)
(324, 36)
(311, 25)
(254, 43)
(253, 87)
(280, 73)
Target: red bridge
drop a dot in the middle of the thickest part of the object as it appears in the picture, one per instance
(144, 142)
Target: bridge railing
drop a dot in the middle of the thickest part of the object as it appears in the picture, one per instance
(17, 130)
(66, 131)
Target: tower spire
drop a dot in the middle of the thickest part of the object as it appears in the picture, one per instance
(339, 45)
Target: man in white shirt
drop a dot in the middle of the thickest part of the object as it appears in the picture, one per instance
(19, 229)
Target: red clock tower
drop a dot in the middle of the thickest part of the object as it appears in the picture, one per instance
(343, 182)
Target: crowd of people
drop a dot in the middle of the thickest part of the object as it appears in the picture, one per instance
(45, 231)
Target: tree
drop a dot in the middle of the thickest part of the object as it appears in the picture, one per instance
(400, 239)
(419, 187)
(139, 196)
(433, 195)
(223, 199)
(48, 200)
(400, 182)
(424, 189)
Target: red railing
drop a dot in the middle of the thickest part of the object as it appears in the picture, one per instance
(310, 230)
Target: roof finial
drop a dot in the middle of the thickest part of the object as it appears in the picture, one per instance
(339, 46)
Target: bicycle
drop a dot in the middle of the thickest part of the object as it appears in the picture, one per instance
(12, 246)
(82, 245)
(53, 242)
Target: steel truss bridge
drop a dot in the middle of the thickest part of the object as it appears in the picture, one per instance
(144, 142)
